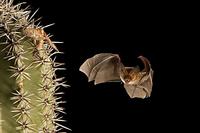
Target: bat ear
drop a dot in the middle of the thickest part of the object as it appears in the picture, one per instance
(137, 68)
(146, 62)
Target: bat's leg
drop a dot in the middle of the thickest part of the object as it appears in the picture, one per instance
(144, 89)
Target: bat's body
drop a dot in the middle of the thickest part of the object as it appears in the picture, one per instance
(130, 76)
(38, 35)
(106, 67)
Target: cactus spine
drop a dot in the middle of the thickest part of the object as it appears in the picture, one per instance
(29, 96)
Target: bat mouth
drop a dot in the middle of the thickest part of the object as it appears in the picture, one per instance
(129, 82)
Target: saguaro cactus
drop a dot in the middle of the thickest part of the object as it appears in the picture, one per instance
(29, 96)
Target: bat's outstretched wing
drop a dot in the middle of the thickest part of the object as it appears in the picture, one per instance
(103, 67)
(143, 89)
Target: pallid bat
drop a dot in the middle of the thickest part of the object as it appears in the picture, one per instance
(107, 67)
(39, 35)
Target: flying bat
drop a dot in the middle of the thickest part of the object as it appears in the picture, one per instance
(107, 67)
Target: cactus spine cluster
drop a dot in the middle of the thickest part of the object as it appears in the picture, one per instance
(29, 96)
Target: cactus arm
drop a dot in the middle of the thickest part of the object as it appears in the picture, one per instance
(29, 96)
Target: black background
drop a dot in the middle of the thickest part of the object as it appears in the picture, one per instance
(130, 30)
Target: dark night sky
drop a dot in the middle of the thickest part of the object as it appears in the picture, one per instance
(129, 30)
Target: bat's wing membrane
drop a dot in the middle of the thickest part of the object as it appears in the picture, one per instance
(141, 90)
(134, 91)
(102, 68)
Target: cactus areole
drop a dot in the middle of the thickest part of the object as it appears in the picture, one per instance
(29, 96)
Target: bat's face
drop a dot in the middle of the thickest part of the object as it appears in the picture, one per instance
(130, 81)
(130, 76)
(126, 79)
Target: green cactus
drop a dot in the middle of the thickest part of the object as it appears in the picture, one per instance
(29, 96)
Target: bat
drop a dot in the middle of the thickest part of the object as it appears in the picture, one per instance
(107, 67)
